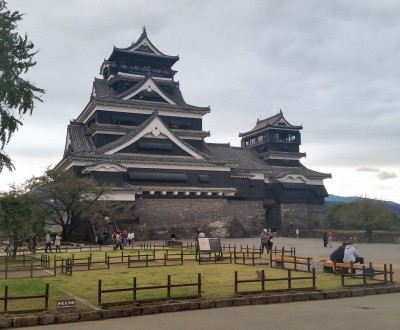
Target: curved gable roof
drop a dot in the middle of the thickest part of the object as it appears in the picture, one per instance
(276, 121)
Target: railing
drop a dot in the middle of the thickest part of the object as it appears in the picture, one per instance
(368, 276)
(263, 281)
(8, 298)
(28, 266)
(135, 289)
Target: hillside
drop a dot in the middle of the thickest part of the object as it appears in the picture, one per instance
(333, 199)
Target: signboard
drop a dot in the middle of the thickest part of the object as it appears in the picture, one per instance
(209, 244)
(61, 304)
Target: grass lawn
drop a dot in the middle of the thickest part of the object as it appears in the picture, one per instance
(217, 281)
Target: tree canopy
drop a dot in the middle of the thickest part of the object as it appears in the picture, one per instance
(67, 200)
(16, 222)
(366, 214)
(17, 95)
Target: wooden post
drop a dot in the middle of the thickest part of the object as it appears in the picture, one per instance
(31, 269)
(199, 284)
(134, 289)
(289, 278)
(55, 266)
(99, 292)
(263, 280)
(236, 282)
(169, 286)
(46, 299)
(391, 273)
(5, 298)
(314, 284)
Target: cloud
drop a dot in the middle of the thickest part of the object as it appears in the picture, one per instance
(386, 175)
(368, 169)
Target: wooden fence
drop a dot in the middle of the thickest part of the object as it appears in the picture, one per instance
(8, 298)
(370, 276)
(135, 289)
(262, 280)
(27, 266)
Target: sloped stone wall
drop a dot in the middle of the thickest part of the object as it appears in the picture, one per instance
(216, 217)
(303, 216)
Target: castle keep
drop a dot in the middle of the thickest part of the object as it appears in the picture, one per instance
(138, 133)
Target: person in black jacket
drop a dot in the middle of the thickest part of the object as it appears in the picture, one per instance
(338, 254)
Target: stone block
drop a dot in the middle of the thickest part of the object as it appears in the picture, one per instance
(381, 290)
(112, 313)
(188, 306)
(66, 318)
(91, 316)
(136, 311)
(273, 299)
(394, 289)
(302, 296)
(207, 304)
(25, 321)
(285, 298)
(5, 323)
(331, 294)
(150, 310)
(345, 293)
(317, 296)
(47, 319)
(259, 300)
(170, 308)
(224, 303)
(241, 301)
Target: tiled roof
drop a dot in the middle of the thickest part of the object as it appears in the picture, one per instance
(105, 94)
(270, 122)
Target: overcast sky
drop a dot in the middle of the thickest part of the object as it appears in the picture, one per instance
(331, 66)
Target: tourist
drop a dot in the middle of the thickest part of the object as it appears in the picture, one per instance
(330, 238)
(57, 243)
(199, 234)
(270, 242)
(48, 242)
(173, 236)
(338, 254)
(130, 238)
(118, 243)
(351, 254)
(325, 239)
(34, 244)
(264, 240)
(124, 237)
(114, 240)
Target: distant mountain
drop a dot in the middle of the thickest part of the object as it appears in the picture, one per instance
(333, 200)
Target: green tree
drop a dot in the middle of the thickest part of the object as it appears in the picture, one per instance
(16, 218)
(17, 95)
(367, 214)
(64, 199)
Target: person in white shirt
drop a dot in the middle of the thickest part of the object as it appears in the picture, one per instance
(351, 254)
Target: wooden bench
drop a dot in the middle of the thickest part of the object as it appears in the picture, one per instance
(281, 260)
(338, 267)
(171, 243)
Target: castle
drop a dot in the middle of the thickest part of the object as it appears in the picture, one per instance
(138, 133)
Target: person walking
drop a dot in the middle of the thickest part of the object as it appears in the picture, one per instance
(57, 243)
(270, 242)
(264, 240)
(325, 238)
(48, 243)
(330, 238)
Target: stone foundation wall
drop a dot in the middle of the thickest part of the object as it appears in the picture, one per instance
(216, 217)
(303, 216)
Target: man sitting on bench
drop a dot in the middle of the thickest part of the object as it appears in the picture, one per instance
(351, 254)
(338, 254)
